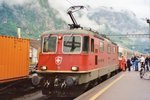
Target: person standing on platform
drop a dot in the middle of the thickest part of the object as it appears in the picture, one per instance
(136, 63)
(142, 60)
(146, 63)
(129, 64)
(123, 63)
(149, 60)
(132, 61)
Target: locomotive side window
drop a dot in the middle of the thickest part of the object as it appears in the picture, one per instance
(85, 44)
(72, 44)
(49, 44)
(102, 46)
(109, 48)
(114, 50)
(92, 45)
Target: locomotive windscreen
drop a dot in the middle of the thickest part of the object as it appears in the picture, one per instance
(72, 44)
(49, 44)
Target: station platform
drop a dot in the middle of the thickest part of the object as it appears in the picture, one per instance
(123, 86)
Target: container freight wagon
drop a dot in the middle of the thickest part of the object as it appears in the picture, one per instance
(14, 58)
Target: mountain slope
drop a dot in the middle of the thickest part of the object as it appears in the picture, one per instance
(37, 16)
(122, 21)
(113, 22)
(33, 17)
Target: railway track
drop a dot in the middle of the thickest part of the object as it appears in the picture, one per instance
(38, 96)
(32, 93)
(17, 92)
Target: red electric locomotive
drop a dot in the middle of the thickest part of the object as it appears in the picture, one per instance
(70, 60)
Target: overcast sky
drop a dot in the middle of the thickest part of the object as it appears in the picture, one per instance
(140, 7)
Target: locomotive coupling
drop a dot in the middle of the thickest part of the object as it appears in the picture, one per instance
(35, 79)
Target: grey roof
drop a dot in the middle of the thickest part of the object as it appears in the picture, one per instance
(70, 31)
(78, 31)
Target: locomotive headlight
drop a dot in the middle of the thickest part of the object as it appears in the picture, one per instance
(43, 68)
(74, 68)
(59, 37)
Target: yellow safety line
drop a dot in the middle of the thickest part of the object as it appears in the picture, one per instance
(105, 88)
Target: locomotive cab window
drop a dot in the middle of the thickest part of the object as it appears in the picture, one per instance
(49, 44)
(71, 44)
(85, 43)
(92, 45)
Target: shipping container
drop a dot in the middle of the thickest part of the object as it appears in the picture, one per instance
(14, 58)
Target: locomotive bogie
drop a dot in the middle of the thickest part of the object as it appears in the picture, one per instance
(62, 87)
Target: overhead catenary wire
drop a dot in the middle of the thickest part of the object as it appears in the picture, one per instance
(70, 2)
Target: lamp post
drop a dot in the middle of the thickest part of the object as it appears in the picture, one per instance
(19, 32)
(148, 21)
